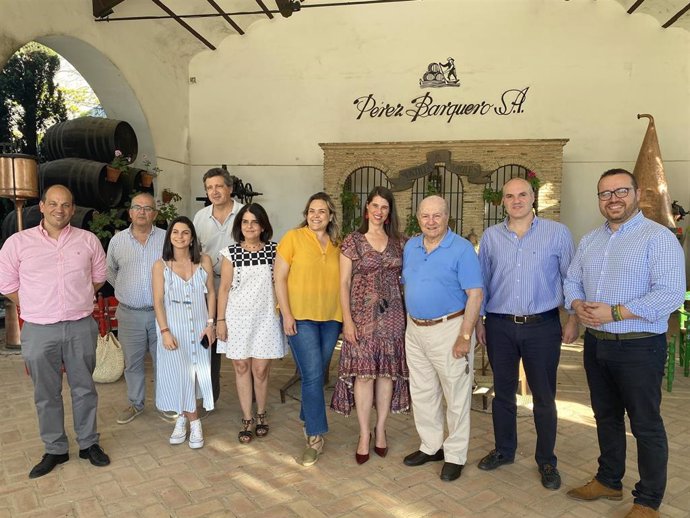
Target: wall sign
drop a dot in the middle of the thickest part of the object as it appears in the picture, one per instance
(441, 75)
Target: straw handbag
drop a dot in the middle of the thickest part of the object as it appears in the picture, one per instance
(110, 359)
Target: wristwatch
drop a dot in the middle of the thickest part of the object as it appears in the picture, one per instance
(467, 337)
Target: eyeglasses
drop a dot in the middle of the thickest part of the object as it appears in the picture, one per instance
(139, 208)
(621, 192)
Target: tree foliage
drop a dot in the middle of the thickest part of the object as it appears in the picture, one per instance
(31, 101)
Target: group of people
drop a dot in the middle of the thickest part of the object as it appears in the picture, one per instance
(410, 313)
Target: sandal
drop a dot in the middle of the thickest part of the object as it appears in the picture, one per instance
(261, 425)
(245, 436)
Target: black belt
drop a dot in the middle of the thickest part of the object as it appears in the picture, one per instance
(617, 337)
(131, 308)
(527, 319)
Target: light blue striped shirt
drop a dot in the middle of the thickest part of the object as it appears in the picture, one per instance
(641, 266)
(130, 264)
(524, 276)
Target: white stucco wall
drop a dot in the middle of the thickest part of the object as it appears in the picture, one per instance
(263, 102)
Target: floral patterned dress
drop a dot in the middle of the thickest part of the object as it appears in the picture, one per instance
(377, 310)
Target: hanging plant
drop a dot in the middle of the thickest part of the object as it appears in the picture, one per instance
(492, 196)
(533, 180)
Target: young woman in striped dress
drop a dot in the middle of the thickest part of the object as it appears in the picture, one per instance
(183, 298)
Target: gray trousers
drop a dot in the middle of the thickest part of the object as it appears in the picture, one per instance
(45, 348)
(136, 331)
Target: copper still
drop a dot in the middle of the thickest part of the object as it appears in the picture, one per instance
(655, 201)
(18, 182)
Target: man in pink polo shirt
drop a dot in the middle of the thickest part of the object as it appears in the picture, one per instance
(52, 271)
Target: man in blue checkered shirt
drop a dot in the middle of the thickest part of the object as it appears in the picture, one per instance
(627, 277)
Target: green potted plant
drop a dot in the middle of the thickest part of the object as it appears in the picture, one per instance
(105, 224)
(492, 196)
(533, 180)
(167, 210)
(118, 165)
(150, 172)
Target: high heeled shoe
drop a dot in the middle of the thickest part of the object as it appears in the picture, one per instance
(361, 458)
(382, 452)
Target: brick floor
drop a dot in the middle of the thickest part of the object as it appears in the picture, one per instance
(150, 478)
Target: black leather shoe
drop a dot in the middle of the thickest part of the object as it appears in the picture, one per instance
(451, 471)
(493, 460)
(95, 454)
(550, 478)
(48, 462)
(419, 457)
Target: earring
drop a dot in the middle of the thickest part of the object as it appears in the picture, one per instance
(366, 215)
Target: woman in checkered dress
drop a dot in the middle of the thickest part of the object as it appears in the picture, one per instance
(248, 325)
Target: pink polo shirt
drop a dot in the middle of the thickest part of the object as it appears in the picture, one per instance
(54, 278)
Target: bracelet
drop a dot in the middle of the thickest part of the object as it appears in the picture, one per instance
(616, 313)
(165, 330)
(220, 320)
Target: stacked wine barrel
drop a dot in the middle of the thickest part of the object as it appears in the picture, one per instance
(78, 152)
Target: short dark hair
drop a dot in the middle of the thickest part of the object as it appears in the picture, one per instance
(194, 247)
(391, 226)
(219, 171)
(260, 213)
(612, 172)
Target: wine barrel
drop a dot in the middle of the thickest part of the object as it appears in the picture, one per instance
(32, 217)
(94, 138)
(434, 67)
(131, 183)
(86, 180)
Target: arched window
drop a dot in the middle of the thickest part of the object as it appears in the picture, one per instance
(357, 186)
(446, 184)
(493, 211)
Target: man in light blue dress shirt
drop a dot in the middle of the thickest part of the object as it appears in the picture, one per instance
(627, 277)
(524, 261)
(131, 254)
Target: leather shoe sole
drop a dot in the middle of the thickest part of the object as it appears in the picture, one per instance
(451, 471)
(419, 457)
(47, 464)
(96, 455)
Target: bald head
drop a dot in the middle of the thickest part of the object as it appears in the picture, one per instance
(54, 189)
(434, 203)
(518, 183)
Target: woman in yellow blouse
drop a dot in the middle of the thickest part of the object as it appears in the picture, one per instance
(306, 271)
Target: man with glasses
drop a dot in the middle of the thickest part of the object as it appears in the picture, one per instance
(131, 254)
(213, 225)
(524, 260)
(627, 277)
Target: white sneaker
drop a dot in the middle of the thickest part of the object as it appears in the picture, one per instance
(196, 435)
(180, 432)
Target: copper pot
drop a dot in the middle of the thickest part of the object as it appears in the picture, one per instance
(18, 176)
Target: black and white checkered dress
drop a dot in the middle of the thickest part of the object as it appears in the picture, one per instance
(254, 329)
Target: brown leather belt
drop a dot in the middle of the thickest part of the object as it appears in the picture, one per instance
(433, 321)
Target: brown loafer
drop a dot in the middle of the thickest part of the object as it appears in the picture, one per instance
(642, 511)
(594, 490)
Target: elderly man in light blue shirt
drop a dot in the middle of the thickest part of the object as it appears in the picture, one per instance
(443, 295)
(524, 260)
(627, 277)
(131, 254)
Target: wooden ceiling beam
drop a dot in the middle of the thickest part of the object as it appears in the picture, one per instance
(184, 24)
(675, 17)
(265, 9)
(634, 6)
(225, 16)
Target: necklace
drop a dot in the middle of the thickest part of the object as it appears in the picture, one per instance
(252, 247)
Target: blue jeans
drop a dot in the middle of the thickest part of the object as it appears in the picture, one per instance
(312, 348)
(625, 376)
(539, 346)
